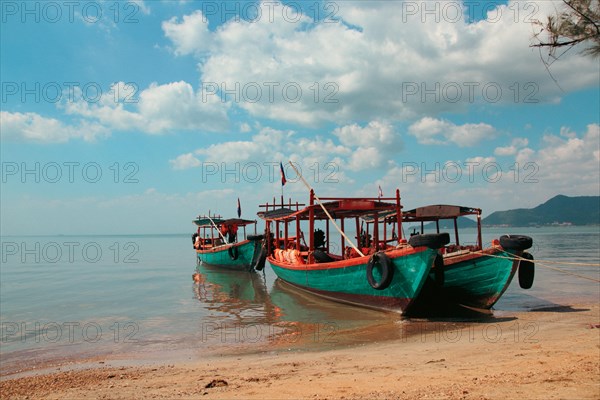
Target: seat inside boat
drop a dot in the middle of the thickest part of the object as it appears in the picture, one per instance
(322, 257)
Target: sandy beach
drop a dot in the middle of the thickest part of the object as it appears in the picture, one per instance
(544, 354)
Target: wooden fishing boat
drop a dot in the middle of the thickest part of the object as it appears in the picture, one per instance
(467, 274)
(382, 271)
(216, 243)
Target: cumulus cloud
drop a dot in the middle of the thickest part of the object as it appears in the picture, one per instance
(373, 143)
(185, 161)
(359, 148)
(189, 36)
(566, 163)
(514, 147)
(377, 61)
(435, 131)
(155, 110)
(36, 128)
(563, 163)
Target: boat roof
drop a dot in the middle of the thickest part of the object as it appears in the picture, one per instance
(340, 208)
(206, 221)
(277, 213)
(429, 213)
(438, 211)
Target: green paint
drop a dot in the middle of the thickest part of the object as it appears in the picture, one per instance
(220, 256)
(410, 273)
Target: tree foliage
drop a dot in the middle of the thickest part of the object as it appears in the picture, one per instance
(577, 23)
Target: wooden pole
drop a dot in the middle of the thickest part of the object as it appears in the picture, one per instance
(399, 215)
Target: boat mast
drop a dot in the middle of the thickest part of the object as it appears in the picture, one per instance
(399, 215)
(479, 242)
(456, 230)
(311, 227)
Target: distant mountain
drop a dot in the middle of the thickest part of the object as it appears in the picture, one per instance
(559, 210)
(463, 222)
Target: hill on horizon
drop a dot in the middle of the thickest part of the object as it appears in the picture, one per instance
(559, 210)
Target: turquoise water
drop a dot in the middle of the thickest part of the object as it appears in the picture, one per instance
(68, 297)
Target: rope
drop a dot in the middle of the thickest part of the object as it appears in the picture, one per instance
(541, 265)
(570, 273)
(218, 231)
(545, 261)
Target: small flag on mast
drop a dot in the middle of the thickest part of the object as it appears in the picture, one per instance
(283, 180)
(380, 192)
(239, 209)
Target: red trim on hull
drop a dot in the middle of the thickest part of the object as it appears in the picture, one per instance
(344, 263)
(450, 260)
(224, 247)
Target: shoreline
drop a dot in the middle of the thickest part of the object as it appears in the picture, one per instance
(536, 354)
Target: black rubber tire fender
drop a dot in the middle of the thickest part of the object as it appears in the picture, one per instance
(233, 252)
(387, 271)
(516, 242)
(260, 261)
(526, 271)
(431, 240)
(255, 237)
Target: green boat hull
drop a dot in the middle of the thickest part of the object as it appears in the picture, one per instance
(242, 256)
(348, 283)
(478, 283)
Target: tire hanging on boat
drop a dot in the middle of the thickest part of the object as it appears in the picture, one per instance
(260, 262)
(516, 242)
(387, 271)
(431, 240)
(526, 271)
(255, 237)
(233, 252)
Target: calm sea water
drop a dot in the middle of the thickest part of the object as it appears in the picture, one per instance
(69, 297)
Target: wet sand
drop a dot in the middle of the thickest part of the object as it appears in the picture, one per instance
(543, 354)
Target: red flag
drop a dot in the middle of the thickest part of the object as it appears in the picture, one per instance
(239, 210)
(283, 180)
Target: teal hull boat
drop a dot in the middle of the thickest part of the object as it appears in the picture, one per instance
(346, 281)
(376, 270)
(216, 244)
(242, 256)
(469, 275)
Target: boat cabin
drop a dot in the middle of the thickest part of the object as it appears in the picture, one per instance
(214, 231)
(435, 214)
(293, 228)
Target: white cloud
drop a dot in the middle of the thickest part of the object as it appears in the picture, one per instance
(435, 131)
(382, 63)
(565, 163)
(185, 161)
(189, 36)
(375, 132)
(359, 148)
(143, 7)
(374, 144)
(36, 128)
(158, 109)
(514, 147)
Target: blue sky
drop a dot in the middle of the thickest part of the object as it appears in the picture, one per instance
(133, 117)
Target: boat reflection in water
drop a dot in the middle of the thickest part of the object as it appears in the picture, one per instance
(233, 296)
(240, 311)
